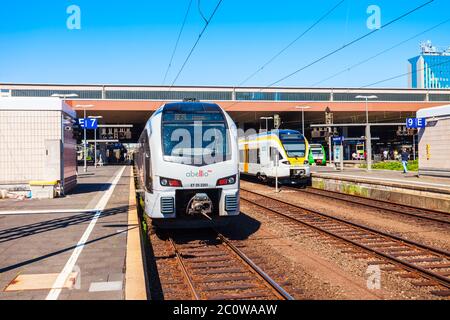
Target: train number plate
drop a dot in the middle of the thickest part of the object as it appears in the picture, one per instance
(199, 185)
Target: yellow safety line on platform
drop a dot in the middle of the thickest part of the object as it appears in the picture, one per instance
(135, 288)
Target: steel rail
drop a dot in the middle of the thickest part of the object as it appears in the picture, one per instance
(184, 270)
(437, 251)
(280, 292)
(409, 266)
(335, 195)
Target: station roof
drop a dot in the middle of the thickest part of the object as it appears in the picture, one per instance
(223, 93)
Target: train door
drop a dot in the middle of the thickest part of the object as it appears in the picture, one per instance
(253, 165)
(245, 158)
(275, 159)
(148, 165)
(264, 158)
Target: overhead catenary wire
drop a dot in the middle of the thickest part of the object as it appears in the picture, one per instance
(178, 40)
(347, 69)
(200, 11)
(274, 57)
(350, 43)
(207, 23)
(343, 47)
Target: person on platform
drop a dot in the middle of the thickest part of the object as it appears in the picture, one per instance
(405, 159)
(385, 155)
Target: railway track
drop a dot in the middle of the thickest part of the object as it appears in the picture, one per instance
(214, 269)
(425, 266)
(410, 211)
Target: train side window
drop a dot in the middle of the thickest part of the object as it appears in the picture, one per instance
(253, 156)
(273, 155)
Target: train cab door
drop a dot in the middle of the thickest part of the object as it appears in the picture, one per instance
(147, 165)
(264, 157)
(273, 152)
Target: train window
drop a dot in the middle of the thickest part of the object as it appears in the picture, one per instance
(273, 155)
(253, 155)
(294, 144)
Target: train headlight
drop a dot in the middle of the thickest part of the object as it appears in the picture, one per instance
(166, 182)
(306, 162)
(286, 162)
(227, 181)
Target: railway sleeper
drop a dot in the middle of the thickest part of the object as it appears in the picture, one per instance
(220, 271)
(245, 286)
(423, 260)
(211, 265)
(441, 293)
(438, 266)
(227, 279)
(425, 283)
(247, 296)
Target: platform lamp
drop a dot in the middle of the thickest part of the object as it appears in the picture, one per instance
(303, 116)
(368, 133)
(95, 140)
(64, 96)
(84, 106)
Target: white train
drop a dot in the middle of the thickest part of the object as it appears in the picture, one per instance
(282, 153)
(187, 165)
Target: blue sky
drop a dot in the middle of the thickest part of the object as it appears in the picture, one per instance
(130, 42)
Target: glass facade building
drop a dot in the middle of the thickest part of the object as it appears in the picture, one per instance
(430, 71)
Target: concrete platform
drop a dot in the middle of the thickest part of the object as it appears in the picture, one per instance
(396, 187)
(73, 248)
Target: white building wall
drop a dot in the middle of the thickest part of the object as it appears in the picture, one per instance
(22, 144)
(437, 138)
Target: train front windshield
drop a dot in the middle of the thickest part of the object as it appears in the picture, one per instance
(195, 137)
(316, 150)
(294, 144)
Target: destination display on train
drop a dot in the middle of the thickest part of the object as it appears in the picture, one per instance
(183, 117)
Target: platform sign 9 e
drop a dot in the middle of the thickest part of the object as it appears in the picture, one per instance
(414, 123)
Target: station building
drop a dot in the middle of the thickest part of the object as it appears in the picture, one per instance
(37, 143)
(124, 109)
(434, 141)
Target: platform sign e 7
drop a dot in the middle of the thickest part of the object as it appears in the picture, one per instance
(414, 123)
(88, 123)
